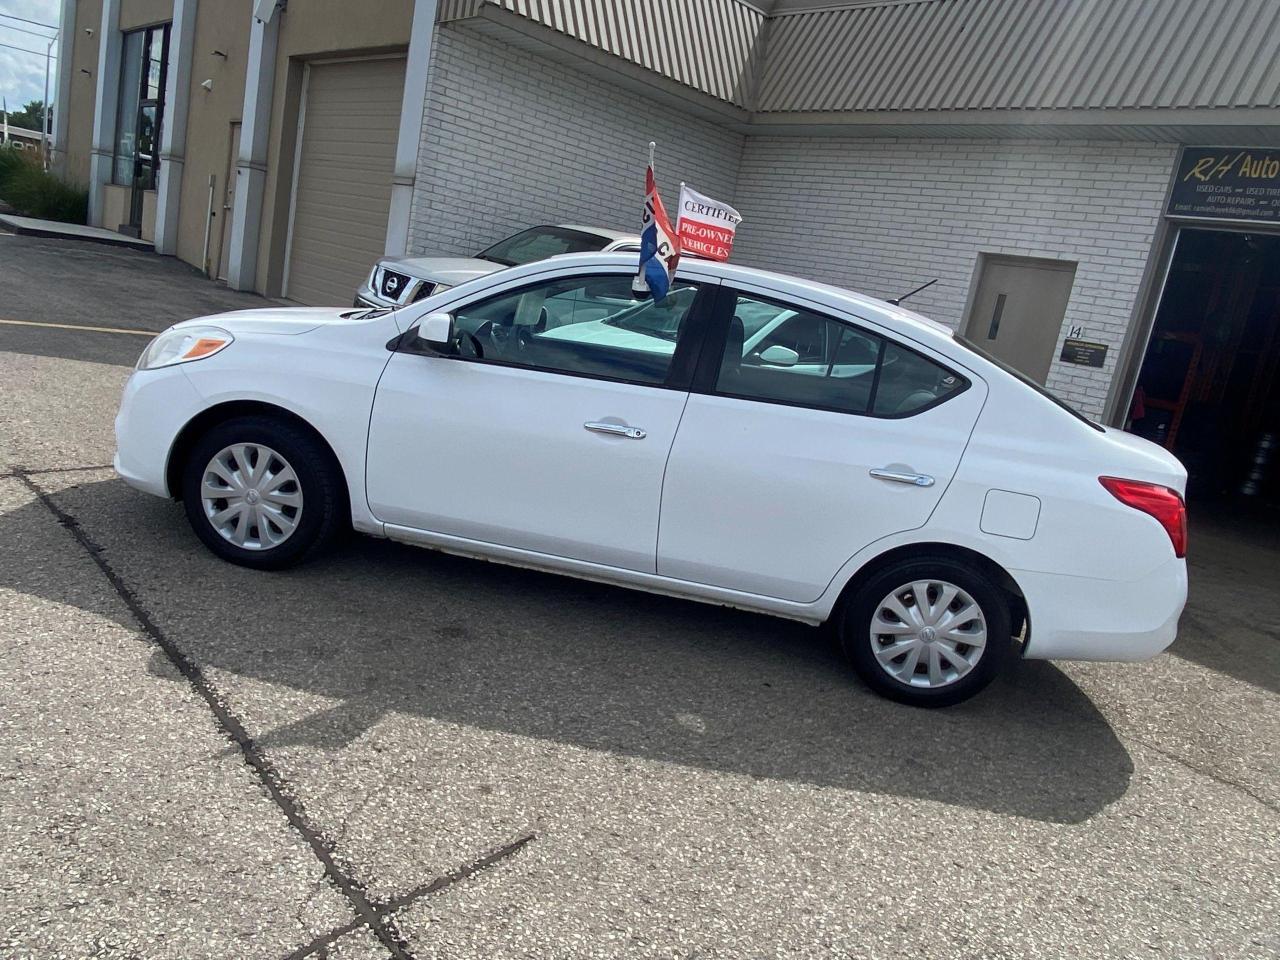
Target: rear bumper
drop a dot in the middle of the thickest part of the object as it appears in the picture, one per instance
(1079, 618)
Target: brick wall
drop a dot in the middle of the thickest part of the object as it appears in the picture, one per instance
(884, 216)
(510, 140)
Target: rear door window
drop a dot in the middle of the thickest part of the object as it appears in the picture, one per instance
(784, 354)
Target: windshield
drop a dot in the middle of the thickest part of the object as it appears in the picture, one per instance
(1013, 371)
(538, 243)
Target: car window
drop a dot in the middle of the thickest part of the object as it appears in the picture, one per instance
(538, 243)
(791, 355)
(592, 325)
(910, 382)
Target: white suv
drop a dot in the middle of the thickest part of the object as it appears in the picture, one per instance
(396, 281)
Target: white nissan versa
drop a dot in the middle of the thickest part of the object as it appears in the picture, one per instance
(752, 440)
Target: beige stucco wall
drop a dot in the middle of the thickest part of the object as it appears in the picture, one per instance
(149, 215)
(220, 25)
(314, 29)
(144, 13)
(78, 99)
(115, 209)
(115, 206)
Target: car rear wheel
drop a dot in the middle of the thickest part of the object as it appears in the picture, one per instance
(262, 492)
(928, 632)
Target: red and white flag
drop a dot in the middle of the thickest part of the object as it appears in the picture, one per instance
(705, 227)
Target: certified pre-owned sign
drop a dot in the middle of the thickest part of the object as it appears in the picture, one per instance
(1227, 183)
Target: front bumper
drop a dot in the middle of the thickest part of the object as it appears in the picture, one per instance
(1080, 618)
(365, 297)
(155, 407)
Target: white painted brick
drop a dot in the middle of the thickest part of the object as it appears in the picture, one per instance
(889, 216)
(510, 140)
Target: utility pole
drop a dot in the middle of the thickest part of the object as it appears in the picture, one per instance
(44, 105)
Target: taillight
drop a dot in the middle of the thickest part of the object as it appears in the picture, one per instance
(1160, 502)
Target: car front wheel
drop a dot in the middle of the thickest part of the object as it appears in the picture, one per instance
(928, 632)
(262, 492)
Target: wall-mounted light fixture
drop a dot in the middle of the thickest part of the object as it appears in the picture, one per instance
(207, 86)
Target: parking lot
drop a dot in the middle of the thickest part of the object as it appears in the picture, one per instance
(395, 753)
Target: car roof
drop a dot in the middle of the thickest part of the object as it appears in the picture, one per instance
(909, 322)
(605, 232)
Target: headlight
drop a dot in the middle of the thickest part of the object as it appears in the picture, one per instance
(182, 345)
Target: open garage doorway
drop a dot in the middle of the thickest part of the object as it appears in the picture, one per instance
(1209, 385)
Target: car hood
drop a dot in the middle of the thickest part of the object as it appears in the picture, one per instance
(278, 320)
(450, 271)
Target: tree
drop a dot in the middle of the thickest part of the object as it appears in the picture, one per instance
(29, 116)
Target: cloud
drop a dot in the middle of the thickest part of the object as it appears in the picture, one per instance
(22, 74)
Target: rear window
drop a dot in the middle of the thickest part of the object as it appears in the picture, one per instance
(1023, 378)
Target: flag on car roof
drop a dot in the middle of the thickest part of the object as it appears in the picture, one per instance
(659, 248)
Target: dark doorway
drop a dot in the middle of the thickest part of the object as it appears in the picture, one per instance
(1209, 387)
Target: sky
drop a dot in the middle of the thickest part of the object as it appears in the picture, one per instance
(22, 74)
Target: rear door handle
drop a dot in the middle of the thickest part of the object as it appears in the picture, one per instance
(915, 479)
(615, 429)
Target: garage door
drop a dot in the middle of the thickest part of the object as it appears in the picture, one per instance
(350, 121)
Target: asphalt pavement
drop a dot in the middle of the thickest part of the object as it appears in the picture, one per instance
(396, 753)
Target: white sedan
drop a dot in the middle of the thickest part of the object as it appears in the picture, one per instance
(751, 440)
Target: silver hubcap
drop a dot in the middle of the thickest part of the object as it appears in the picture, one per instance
(929, 633)
(251, 496)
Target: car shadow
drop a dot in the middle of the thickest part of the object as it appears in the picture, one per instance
(380, 627)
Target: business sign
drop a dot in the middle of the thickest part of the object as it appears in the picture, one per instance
(1227, 183)
(1084, 353)
(706, 227)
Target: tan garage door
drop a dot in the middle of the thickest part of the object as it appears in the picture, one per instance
(350, 120)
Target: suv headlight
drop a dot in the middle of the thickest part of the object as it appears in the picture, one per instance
(184, 344)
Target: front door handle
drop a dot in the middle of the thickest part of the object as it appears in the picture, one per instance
(915, 479)
(615, 429)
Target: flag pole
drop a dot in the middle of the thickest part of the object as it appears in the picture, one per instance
(640, 285)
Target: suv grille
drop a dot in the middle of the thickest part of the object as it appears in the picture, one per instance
(425, 289)
(393, 285)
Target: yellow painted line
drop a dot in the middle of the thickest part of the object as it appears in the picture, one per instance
(76, 326)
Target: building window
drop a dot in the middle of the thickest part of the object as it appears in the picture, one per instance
(144, 66)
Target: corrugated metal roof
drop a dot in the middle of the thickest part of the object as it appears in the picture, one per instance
(906, 55)
(705, 44)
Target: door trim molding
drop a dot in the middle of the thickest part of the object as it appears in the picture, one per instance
(810, 613)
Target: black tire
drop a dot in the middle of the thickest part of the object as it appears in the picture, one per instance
(323, 513)
(855, 623)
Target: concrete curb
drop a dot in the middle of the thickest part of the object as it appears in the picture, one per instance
(30, 227)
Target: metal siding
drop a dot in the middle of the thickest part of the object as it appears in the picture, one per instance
(1024, 54)
(705, 44)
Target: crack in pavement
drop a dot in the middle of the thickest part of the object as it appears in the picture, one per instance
(1215, 776)
(17, 473)
(382, 926)
(384, 908)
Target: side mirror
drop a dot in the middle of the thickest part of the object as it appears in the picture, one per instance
(437, 330)
(779, 356)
